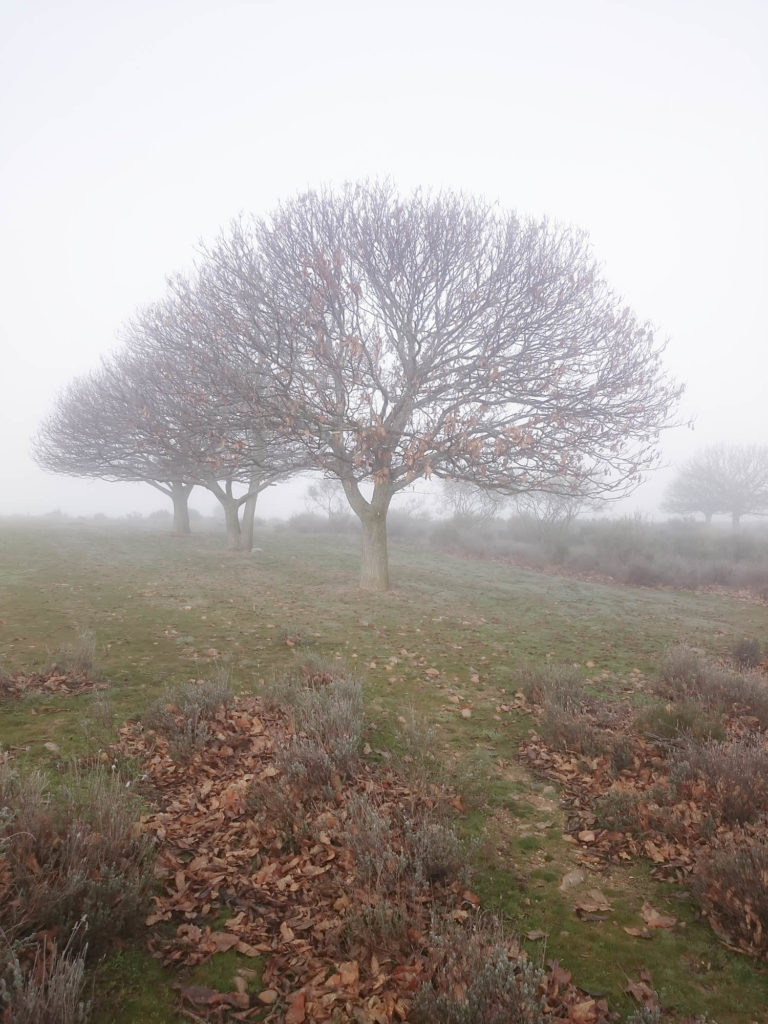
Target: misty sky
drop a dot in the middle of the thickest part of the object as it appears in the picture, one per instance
(129, 131)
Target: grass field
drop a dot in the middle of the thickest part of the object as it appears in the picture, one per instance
(445, 644)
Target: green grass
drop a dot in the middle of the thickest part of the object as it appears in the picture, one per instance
(165, 610)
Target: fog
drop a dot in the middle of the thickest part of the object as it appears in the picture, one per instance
(131, 132)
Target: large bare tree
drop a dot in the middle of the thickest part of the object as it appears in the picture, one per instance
(438, 335)
(722, 480)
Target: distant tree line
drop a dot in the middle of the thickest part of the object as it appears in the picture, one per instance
(375, 339)
(722, 480)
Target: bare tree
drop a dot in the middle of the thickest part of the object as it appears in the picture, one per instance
(159, 411)
(97, 429)
(720, 480)
(327, 496)
(464, 501)
(211, 406)
(437, 335)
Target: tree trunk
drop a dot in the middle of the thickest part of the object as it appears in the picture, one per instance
(180, 497)
(232, 519)
(249, 514)
(735, 519)
(374, 562)
(708, 518)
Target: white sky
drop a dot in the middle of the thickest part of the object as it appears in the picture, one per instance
(131, 129)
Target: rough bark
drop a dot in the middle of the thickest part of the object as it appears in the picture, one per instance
(180, 497)
(374, 562)
(246, 529)
(232, 519)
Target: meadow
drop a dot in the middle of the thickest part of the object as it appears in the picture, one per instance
(460, 655)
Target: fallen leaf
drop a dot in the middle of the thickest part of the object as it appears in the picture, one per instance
(638, 933)
(640, 991)
(584, 1013)
(654, 919)
(223, 941)
(535, 935)
(593, 903)
(350, 973)
(297, 1008)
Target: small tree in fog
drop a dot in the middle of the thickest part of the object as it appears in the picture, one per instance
(327, 497)
(208, 409)
(436, 335)
(159, 411)
(97, 430)
(463, 501)
(722, 480)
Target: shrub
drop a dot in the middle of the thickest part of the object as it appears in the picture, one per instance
(328, 727)
(79, 658)
(182, 714)
(387, 925)
(425, 850)
(671, 721)
(746, 653)
(331, 718)
(684, 671)
(40, 985)
(617, 809)
(70, 854)
(737, 772)
(570, 730)
(368, 834)
(622, 754)
(477, 980)
(682, 668)
(559, 684)
(730, 884)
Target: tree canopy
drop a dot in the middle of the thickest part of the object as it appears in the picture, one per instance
(158, 411)
(437, 335)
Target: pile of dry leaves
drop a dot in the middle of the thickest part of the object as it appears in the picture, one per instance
(304, 886)
(51, 682)
(698, 829)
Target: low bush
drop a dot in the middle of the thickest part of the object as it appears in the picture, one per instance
(183, 713)
(617, 809)
(682, 669)
(566, 729)
(323, 749)
(685, 673)
(559, 684)
(399, 852)
(39, 984)
(730, 884)
(673, 721)
(387, 925)
(70, 854)
(746, 652)
(79, 658)
(737, 772)
(331, 718)
(478, 979)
